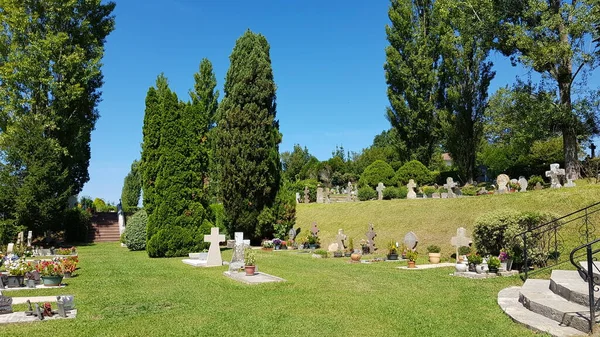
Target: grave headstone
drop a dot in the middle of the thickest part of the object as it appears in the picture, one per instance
(371, 239)
(554, 175)
(61, 307)
(314, 230)
(435, 195)
(482, 191)
(380, 188)
(523, 184)
(538, 186)
(327, 193)
(38, 312)
(10, 248)
(298, 198)
(449, 185)
(411, 241)
(460, 240)
(320, 198)
(502, 180)
(5, 305)
(306, 196)
(292, 234)
(411, 189)
(444, 195)
(237, 259)
(20, 239)
(214, 253)
(340, 239)
(68, 301)
(570, 183)
(29, 238)
(349, 191)
(514, 181)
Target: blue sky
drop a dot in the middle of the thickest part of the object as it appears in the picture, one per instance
(327, 59)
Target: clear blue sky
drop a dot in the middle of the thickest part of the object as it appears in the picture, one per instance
(327, 59)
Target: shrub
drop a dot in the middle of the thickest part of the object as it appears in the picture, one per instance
(402, 192)
(475, 259)
(176, 241)
(494, 262)
(135, 231)
(414, 170)
(534, 180)
(469, 190)
(428, 190)
(367, 193)
(443, 176)
(378, 171)
(321, 252)
(77, 223)
(433, 249)
(464, 250)
(391, 193)
(312, 189)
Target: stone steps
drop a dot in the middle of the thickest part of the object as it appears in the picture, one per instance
(558, 306)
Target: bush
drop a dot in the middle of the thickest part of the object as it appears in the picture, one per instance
(312, 189)
(391, 193)
(173, 241)
(469, 190)
(534, 180)
(443, 176)
(367, 193)
(433, 249)
(76, 225)
(428, 190)
(414, 170)
(402, 192)
(464, 250)
(378, 171)
(135, 231)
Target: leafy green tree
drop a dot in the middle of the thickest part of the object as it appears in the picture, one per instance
(50, 71)
(132, 188)
(550, 37)
(248, 136)
(414, 170)
(411, 70)
(294, 163)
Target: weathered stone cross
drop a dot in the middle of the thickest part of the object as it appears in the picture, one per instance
(214, 253)
(380, 188)
(340, 238)
(306, 197)
(553, 174)
(314, 230)
(371, 238)
(460, 240)
(449, 185)
(411, 189)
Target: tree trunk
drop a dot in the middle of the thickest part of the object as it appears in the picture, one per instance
(571, 147)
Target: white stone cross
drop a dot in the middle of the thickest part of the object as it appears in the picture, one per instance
(411, 189)
(460, 240)
(553, 174)
(380, 188)
(449, 185)
(340, 238)
(214, 253)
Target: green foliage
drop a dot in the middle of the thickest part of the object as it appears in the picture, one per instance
(475, 259)
(412, 255)
(367, 193)
(312, 188)
(76, 225)
(276, 221)
(429, 190)
(218, 217)
(464, 250)
(135, 231)
(493, 262)
(322, 253)
(413, 170)
(177, 241)
(390, 193)
(249, 257)
(377, 172)
(433, 249)
(469, 190)
(295, 164)
(248, 136)
(132, 188)
(533, 180)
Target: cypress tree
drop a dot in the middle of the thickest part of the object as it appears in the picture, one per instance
(151, 145)
(248, 138)
(132, 188)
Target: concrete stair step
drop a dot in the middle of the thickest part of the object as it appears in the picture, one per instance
(508, 300)
(536, 296)
(569, 285)
(595, 263)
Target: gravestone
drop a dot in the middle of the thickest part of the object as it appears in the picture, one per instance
(29, 238)
(292, 234)
(20, 239)
(214, 253)
(68, 301)
(314, 230)
(10, 248)
(411, 241)
(502, 180)
(523, 183)
(5, 305)
(482, 191)
(570, 183)
(444, 195)
(340, 239)
(380, 188)
(538, 186)
(554, 175)
(460, 240)
(306, 196)
(371, 239)
(449, 185)
(349, 191)
(411, 190)
(61, 307)
(237, 259)
(327, 193)
(435, 195)
(320, 197)
(298, 198)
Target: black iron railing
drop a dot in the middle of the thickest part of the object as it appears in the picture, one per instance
(590, 273)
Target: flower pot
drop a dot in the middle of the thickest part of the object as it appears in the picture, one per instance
(392, 257)
(509, 263)
(15, 281)
(480, 269)
(434, 258)
(355, 257)
(461, 267)
(30, 283)
(277, 247)
(52, 281)
(67, 274)
(250, 270)
(411, 264)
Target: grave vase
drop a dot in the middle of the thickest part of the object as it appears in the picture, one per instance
(15, 281)
(434, 258)
(30, 283)
(277, 247)
(52, 281)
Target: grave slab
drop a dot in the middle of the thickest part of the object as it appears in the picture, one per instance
(195, 263)
(257, 278)
(20, 317)
(428, 266)
(473, 275)
(33, 299)
(37, 286)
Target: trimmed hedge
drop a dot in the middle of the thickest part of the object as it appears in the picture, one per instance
(378, 171)
(77, 223)
(135, 231)
(367, 193)
(391, 193)
(414, 170)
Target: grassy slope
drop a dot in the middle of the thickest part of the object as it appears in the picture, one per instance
(433, 220)
(122, 293)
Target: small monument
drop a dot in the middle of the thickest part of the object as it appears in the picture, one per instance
(502, 180)
(10, 248)
(306, 196)
(570, 183)
(371, 239)
(237, 259)
(291, 234)
(554, 175)
(340, 239)
(29, 238)
(411, 241)
(5, 305)
(327, 193)
(320, 197)
(349, 191)
(20, 239)
(523, 184)
(380, 188)
(460, 240)
(449, 185)
(411, 190)
(298, 198)
(538, 186)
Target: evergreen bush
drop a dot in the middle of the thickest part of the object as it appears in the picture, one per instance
(414, 170)
(367, 193)
(378, 171)
(391, 193)
(135, 231)
(534, 180)
(77, 223)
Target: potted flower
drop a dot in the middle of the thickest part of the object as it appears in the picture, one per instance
(284, 245)
(312, 241)
(475, 263)
(392, 251)
(277, 243)
(69, 265)
(493, 264)
(249, 262)
(434, 254)
(350, 248)
(411, 255)
(505, 260)
(16, 272)
(51, 272)
(267, 245)
(463, 252)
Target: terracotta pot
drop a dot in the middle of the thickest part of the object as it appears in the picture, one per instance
(434, 258)
(355, 257)
(250, 270)
(411, 264)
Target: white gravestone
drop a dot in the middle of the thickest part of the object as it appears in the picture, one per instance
(341, 238)
(449, 185)
(411, 189)
(570, 183)
(320, 198)
(554, 174)
(214, 252)
(10, 248)
(237, 259)
(460, 240)
(523, 183)
(502, 180)
(349, 191)
(20, 238)
(380, 188)
(29, 238)
(298, 198)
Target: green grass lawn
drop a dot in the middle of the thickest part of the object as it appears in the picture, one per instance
(123, 293)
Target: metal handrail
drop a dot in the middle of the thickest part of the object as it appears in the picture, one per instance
(588, 276)
(561, 218)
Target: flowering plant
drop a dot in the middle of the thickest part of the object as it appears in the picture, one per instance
(283, 243)
(49, 268)
(503, 255)
(69, 264)
(65, 251)
(267, 244)
(277, 241)
(19, 268)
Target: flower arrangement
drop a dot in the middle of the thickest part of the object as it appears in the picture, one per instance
(249, 257)
(277, 242)
(283, 243)
(267, 244)
(49, 268)
(65, 251)
(19, 268)
(412, 255)
(503, 255)
(69, 264)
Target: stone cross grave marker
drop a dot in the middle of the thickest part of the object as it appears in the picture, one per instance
(371, 239)
(214, 253)
(411, 189)
(306, 196)
(538, 186)
(29, 238)
(460, 240)
(553, 174)
(292, 234)
(523, 183)
(61, 307)
(502, 180)
(237, 259)
(10, 248)
(68, 301)
(411, 241)
(320, 198)
(380, 188)
(314, 230)
(570, 183)
(340, 238)
(5, 305)
(349, 191)
(449, 185)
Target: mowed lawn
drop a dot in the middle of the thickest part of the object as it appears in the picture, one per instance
(123, 293)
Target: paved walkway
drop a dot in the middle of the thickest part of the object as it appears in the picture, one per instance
(429, 266)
